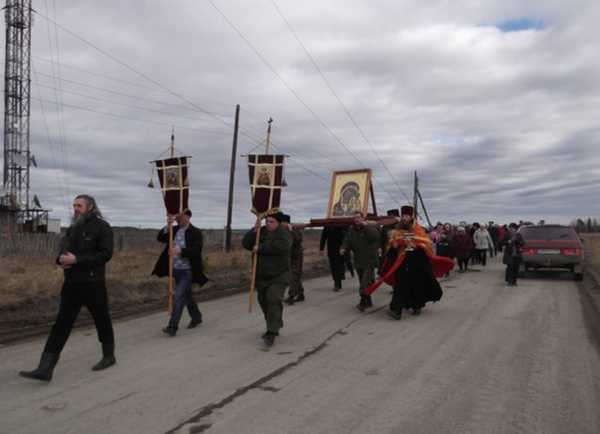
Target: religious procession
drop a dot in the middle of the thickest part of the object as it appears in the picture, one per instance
(393, 249)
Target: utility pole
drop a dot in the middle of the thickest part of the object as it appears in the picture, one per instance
(231, 180)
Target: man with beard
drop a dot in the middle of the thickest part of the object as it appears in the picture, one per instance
(187, 269)
(272, 271)
(364, 241)
(85, 250)
(408, 258)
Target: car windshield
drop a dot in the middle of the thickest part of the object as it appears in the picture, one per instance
(548, 233)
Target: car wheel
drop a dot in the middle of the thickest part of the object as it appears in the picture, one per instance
(578, 276)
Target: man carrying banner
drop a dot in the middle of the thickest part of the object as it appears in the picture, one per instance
(364, 241)
(187, 268)
(273, 253)
(411, 266)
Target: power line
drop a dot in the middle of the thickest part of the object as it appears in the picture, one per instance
(141, 74)
(129, 118)
(290, 89)
(307, 169)
(108, 101)
(165, 88)
(59, 118)
(97, 74)
(330, 87)
(59, 174)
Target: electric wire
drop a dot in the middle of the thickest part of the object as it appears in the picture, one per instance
(291, 90)
(181, 97)
(58, 172)
(334, 93)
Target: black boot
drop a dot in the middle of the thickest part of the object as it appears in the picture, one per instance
(289, 300)
(44, 370)
(269, 338)
(368, 301)
(362, 305)
(108, 357)
(396, 314)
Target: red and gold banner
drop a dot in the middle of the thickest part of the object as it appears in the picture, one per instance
(266, 181)
(173, 176)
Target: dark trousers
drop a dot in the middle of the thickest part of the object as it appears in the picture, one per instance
(296, 286)
(337, 268)
(366, 276)
(73, 296)
(482, 254)
(512, 271)
(348, 263)
(182, 298)
(462, 263)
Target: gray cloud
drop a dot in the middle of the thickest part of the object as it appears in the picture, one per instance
(500, 125)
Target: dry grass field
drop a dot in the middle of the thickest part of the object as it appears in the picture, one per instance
(30, 285)
(592, 251)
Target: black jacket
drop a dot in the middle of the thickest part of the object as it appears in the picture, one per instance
(333, 237)
(92, 244)
(513, 248)
(192, 251)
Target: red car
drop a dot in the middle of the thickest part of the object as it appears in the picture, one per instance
(552, 246)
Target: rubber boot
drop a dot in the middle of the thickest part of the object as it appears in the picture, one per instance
(45, 369)
(108, 357)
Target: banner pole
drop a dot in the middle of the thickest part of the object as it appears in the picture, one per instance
(170, 225)
(258, 227)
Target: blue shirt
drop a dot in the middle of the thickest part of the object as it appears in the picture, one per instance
(179, 262)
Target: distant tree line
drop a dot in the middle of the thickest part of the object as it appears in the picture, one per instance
(586, 226)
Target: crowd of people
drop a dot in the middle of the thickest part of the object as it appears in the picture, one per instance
(399, 252)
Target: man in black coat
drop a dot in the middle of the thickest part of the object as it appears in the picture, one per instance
(512, 256)
(187, 268)
(333, 236)
(85, 250)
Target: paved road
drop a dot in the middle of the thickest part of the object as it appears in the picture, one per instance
(486, 358)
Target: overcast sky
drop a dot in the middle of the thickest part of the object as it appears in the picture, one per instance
(494, 103)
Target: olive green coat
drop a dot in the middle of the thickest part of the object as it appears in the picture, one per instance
(274, 253)
(364, 244)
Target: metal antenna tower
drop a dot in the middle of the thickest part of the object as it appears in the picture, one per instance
(17, 102)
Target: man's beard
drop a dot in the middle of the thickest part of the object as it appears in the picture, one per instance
(77, 219)
(405, 225)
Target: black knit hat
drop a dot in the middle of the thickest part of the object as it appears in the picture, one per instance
(286, 219)
(407, 210)
(279, 216)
